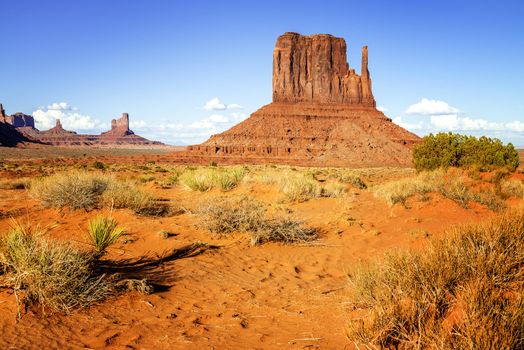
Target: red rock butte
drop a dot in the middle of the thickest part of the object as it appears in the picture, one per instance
(323, 114)
(20, 128)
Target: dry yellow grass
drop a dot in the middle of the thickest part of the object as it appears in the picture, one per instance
(465, 291)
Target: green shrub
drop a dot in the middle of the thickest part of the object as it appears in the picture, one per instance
(465, 291)
(455, 150)
(99, 165)
(103, 232)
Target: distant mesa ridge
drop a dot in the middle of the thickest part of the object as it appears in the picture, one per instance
(323, 114)
(21, 127)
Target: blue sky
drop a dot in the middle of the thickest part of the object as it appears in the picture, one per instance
(435, 65)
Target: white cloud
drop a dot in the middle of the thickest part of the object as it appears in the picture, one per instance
(454, 122)
(431, 107)
(443, 117)
(382, 109)
(407, 125)
(216, 105)
(234, 106)
(447, 122)
(191, 133)
(61, 106)
(71, 119)
(137, 124)
(218, 118)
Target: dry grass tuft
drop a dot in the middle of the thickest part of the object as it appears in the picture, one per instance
(15, 184)
(52, 275)
(83, 190)
(451, 184)
(334, 189)
(464, 292)
(285, 230)
(400, 190)
(125, 195)
(511, 188)
(299, 187)
(352, 179)
(74, 189)
(204, 179)
(225, 215)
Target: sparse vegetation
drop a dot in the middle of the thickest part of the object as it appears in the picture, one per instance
(53, 275)
(352, 179)
(15, 184)
(119, 195)
(82, 190)
(285, 230)
(204, 179)
(299, 187)
(455, 150)
(225, 215)
(450, 184)
(99, 165)
(333, 189)
(400, 190)
(103, 232)
(464, 292)
(510, 188)
(74, 189)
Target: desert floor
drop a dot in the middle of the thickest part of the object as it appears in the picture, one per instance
(227, 294)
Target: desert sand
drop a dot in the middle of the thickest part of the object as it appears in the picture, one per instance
(226, 294)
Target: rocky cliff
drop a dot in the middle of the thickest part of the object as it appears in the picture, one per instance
(323, 114)
(20, 120)
(315, 69)
(9, 135)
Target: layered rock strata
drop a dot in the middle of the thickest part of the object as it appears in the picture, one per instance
(323, 114)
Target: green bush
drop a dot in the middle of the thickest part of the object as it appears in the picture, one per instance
(448, 149)
(99, 165)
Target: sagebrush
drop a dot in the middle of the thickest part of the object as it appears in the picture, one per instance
(465, 291)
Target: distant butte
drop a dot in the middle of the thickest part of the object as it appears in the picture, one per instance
(20, 128)
(323, 114)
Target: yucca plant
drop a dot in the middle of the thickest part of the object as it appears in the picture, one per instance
(103, 232)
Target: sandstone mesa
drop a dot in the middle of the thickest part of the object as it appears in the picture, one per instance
(20, 127)
(323, 114)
